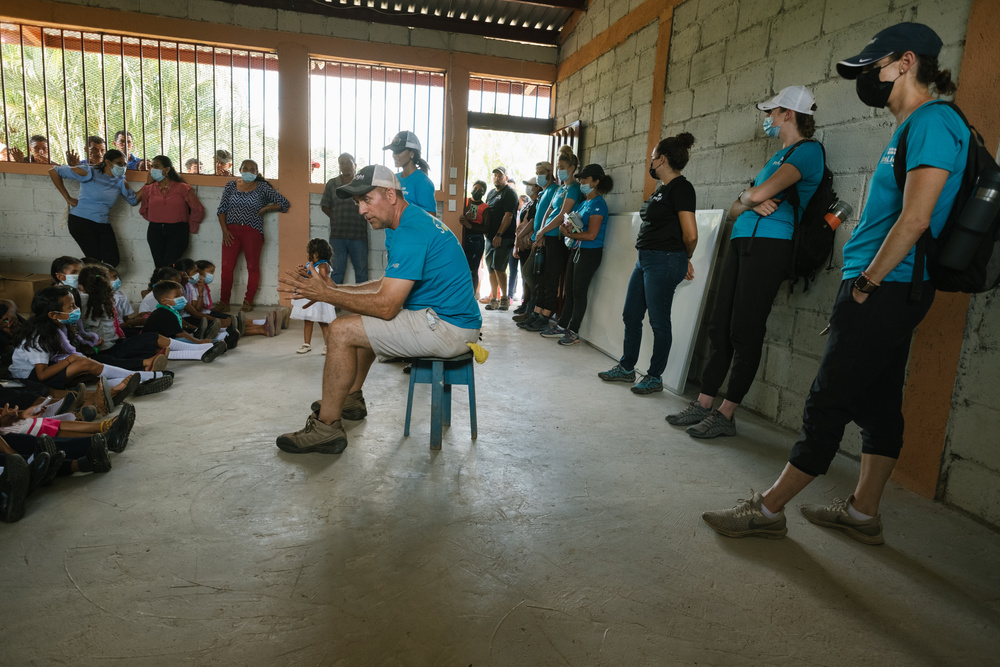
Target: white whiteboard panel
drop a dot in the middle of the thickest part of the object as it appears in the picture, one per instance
(603, 327)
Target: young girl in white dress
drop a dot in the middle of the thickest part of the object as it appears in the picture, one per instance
(320, 253)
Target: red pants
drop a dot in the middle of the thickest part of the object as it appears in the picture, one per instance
(249, 241)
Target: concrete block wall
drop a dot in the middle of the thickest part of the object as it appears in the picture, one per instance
(262, 18)
(612, 97)
(725, 56)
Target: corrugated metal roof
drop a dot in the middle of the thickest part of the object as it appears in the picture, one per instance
(537, 21)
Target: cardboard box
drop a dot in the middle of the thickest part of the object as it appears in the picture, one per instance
(21, 287)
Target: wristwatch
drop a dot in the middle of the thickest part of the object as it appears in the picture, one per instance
(864, 284)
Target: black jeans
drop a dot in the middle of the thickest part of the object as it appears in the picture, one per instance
(753, 272)
(167, 241)
(474, 246)
(547, 289)
(579, 272)
(861, 375)
(95, 239)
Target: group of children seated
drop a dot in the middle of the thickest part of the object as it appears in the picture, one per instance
(83, 330)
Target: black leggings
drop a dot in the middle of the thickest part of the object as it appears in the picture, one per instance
(95, 239)
(547, 289)
(861, 375)
(754, 270)
(579, 272)
(167, 241)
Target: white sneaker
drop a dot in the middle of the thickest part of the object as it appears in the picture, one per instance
(305, 347)
(324, 350)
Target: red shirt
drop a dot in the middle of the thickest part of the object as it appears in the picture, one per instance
(177, 204)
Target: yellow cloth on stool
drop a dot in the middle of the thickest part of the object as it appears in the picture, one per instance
(479, 352)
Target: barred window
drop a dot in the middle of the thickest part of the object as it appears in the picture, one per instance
(358, 109)
(183, 100)
(510, 98)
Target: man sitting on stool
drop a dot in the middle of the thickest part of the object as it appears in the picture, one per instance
(423, 307)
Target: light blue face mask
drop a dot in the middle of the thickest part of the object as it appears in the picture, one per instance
(769, 128)
(563, 174)
(72, 280)
(542, 180)
(586, 188)
(74, 316)
(157, 174)
(209, 277)
(179, 303)
(248, 176)
(116, 284)
(118, 170)
(194, 279)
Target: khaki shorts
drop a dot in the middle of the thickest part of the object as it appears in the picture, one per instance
(417, 333)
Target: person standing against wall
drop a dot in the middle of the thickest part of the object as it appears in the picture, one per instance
(667, 239)
(100, 187)
(759, 260)
(500, 231)
(522, 240)
(547, 187)
(173, 211)
(348, 228)
(241, 212)
(416, 184)
(878, 306)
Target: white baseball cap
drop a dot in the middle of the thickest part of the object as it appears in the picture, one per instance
(367, 179)
(796, 98)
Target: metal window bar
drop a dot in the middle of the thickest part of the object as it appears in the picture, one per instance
(527, 100)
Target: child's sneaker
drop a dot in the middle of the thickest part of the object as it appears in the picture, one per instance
(569, 338)
(648, 385)
(554, 331)
(617, 374)
(305, 347)
(116, 437)
(97, 454)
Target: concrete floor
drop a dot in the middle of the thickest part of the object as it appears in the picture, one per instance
(568, 533)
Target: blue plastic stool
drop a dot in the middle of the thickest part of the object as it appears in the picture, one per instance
(441, 374)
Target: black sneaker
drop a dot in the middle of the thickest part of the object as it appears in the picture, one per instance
(14, 482)
(232, 336)
(56, 457)
(520, 310)
(98, 454)
(217, 350)
(117, 436)
(37, 468)
(524, 324)
(156, 385)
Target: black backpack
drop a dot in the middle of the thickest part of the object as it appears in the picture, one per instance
(812, 237)
(983, 272)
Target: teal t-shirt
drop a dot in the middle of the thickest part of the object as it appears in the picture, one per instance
(808, 159)
(588, 208)
(564, 192)
(937, 138)
(542, 206)
(423, 250)
(418, 190)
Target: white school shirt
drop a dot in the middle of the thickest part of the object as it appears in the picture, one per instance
(25, 359)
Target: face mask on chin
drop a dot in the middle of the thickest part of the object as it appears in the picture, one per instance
(871, 90)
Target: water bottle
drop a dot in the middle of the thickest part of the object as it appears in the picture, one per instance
(973, 223)
(838, 213)
(539, 261)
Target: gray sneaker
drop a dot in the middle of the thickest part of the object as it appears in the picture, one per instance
(317, 436)
(746, 519)
(692, 414)
(835, 515)
(554, 331)
(354, 408)
(712, 426)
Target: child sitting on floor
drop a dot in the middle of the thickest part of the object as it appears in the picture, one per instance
(115, 430)
(320, 253)
(165, 320)
(206, 276)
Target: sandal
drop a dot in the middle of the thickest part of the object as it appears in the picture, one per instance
(305, 347)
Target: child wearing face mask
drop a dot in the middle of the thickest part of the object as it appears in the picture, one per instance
(165, 320)
(474, 221)
(205, 327)
(320, 253)
(234, 325)
(44, 352)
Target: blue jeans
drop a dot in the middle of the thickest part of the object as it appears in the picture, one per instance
(357, 250)
(656, 275)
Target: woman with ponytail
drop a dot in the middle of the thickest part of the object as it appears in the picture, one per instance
(173, 211)
(667, 239)
(416, 184)
(100, 187)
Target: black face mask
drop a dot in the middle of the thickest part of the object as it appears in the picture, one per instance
(477, 195)
(652, 170)
(871, 90)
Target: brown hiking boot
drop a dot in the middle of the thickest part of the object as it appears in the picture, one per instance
(354, 408)
(316, 436)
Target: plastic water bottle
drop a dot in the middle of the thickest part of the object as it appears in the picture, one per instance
(838, 213)
(973, 223)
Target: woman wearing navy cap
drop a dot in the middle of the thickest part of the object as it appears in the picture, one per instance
(861, 375)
